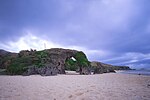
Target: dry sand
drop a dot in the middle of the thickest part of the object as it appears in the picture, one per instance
(109, 86)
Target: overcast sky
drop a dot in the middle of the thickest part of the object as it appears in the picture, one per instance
(111, 31)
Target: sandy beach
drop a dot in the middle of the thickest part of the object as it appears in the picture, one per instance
(110, 86)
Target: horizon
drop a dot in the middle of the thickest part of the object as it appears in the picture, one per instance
(109, 31)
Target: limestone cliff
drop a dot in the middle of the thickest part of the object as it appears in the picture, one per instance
(45, 62)
(100, 67)
(50, 62)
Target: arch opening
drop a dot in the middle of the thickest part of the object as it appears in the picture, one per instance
(71, 64)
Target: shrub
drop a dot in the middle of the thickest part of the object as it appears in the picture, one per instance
(40, 55)
(82, 59)
(71, 65)
(18, 65)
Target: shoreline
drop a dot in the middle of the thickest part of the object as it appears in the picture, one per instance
(134, 72)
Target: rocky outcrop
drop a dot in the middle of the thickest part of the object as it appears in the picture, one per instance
(121, 68)
(47, 70)
(45, 62)
(6, 58)
(59, 56)
(99, 67)
(55, 62)
(3, 53)
(84, 70)
(51, 62)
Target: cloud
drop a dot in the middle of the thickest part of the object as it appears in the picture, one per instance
(106, 23)
(30, 41)
(133, 59)
(92, 54)
(27, 42)
(115, 31)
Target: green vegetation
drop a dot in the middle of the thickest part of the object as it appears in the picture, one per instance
(41, 58)
(19, 64)
(41, 54)
(71, 65)
(81, 61)
(5, 58)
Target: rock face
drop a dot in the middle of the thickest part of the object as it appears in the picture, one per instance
(99, 67)
(59, 56)
(47, 70)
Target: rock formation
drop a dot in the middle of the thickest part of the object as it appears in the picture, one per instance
(100, 68)
(45, 62)
(5, 58)
(49, 62)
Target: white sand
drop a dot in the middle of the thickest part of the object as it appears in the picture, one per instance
(71, 73)
(109, 86)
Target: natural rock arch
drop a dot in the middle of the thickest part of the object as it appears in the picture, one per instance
(49, 62)
(55, 61)
(58, 57)
(46, 62)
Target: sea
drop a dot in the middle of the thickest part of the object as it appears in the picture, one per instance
(136, 72)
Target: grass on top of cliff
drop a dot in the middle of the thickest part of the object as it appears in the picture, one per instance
(82, 59)
(41, 56)
(19, 64)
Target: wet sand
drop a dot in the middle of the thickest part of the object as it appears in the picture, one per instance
(110, 86)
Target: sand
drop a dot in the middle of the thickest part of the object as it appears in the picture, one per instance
(110, 86)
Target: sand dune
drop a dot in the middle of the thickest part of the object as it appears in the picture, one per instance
(109, 86)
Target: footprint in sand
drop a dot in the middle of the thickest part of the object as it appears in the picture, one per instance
(70, 96)
(92, 86)
(78, 94)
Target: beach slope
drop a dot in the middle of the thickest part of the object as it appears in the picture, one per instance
(110, 86)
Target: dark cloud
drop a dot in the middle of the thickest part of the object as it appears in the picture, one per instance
(112, 27)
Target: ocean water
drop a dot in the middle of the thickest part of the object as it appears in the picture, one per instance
(137, 72)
